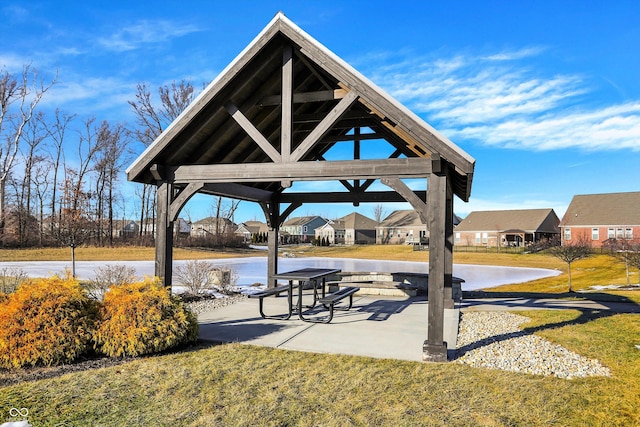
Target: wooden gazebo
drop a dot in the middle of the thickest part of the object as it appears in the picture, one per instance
(286, 110)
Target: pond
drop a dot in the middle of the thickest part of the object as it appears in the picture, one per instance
(254, 270)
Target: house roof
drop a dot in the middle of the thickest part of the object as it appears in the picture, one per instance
(252, 227)
(301, 220)
(210, 220)
(528, 220)
(603, 209)
(358, 221)
(336, 224)
(238, 121)
(401, 218)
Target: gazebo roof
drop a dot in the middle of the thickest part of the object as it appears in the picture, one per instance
(273, 115)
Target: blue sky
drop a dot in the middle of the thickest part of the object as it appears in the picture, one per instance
(545, 95)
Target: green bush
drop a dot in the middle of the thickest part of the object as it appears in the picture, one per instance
(45, 322)
(142, 318)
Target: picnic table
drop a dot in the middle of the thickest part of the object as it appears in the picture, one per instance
(316, 278)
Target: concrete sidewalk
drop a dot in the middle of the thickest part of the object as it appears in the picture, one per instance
(376, 326)
(525, 303)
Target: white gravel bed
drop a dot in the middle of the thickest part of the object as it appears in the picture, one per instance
(494, 340)
(208, 304)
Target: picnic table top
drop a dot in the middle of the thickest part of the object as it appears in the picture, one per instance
(306, 273)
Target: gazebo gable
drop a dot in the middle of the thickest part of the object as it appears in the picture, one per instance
(288, 100)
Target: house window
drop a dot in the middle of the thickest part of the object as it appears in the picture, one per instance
(628, 233)
(305, 228)
(457, 237)
(567, 234)
(485, 237)
(595, 234)
(619, 234)
(477, 237)
(611, 233)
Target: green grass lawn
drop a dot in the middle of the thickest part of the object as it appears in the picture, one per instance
(240, 385)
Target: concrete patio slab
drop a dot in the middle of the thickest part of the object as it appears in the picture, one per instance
(376, 326)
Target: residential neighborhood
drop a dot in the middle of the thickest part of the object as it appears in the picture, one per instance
(599, 219)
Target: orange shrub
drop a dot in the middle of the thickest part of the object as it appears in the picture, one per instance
(142, 318)
(45, 322)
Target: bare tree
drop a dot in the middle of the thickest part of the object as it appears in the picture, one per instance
(224, 212)
(628, 251)
(41, 186)
(634, 258)
(379, 212)
(572, 250)
(152, 118)
(19, 97)
(57, 134)
(33, 136)
(109, 161)
(75, 223)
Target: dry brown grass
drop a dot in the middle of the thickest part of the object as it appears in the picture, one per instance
(243, 385)
(120, 253)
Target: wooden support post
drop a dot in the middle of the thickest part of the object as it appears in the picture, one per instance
(272, 242)
(434, 348)
(164, 234)
(448, 253)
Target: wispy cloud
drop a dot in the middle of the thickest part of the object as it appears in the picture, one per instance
(144, 33)
(504, 101)
(98, 95)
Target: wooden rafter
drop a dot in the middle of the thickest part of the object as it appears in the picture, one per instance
(324, 126)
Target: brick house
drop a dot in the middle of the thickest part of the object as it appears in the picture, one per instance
(602, 218)
(519, 227)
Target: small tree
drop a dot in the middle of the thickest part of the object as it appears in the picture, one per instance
(627, 251)
(571, 251)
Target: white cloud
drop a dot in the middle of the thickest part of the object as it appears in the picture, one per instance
(499, 101)
(90, 94)
(144, 33)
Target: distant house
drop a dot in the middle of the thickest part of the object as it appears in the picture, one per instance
(402, 226)
(212, 226)
(602, 218)
(182, 228)
(518, 227)
(349, 230)
(125, 228)
(301, 229)
(249, 229)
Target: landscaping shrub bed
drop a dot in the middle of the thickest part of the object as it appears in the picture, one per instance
(53, 321)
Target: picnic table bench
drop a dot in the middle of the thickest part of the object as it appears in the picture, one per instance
(316, 279)
(274, 291)
(335, 297)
